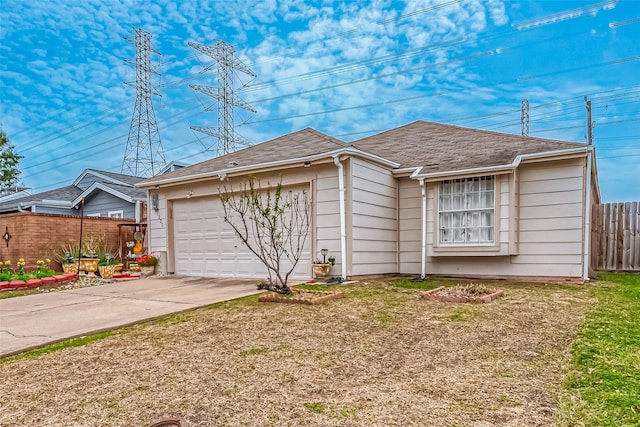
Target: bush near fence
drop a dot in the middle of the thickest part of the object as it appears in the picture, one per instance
(37, 236)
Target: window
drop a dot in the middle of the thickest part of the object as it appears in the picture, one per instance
(466, 211)
(94, 214)
(116, 214)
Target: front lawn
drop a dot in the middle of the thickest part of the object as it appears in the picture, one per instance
(603, 386)
(381, 356)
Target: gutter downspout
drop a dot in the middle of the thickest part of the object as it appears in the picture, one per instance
(343, 226)
(138, 213)
(587, 219)
(423, 258)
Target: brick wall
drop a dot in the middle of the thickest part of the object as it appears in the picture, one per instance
(37, 236)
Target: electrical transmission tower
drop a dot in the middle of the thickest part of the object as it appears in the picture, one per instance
(524, 118)
(144, 155)
(224, 54)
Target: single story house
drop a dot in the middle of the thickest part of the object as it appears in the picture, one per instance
(420, 199)
(105, 194)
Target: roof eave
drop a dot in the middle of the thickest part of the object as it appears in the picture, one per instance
(546, 155)
(107, 189)
(268, 165)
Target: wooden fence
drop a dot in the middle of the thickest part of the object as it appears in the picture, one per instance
(616, 236)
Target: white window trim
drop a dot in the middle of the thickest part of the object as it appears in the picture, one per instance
(96, 215)
(116, 214)
(462, 249)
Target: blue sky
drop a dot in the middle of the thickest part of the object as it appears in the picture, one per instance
(348, 69)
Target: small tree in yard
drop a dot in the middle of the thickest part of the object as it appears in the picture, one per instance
(9, 172)
(273, 224)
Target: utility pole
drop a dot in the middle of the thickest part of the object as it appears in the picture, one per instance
(589, 122)
(224, 54)
(144, 155)
(524, 118)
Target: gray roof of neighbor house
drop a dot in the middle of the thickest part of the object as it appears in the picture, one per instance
(72, 192)
(67, 193)
(443, 148)
(304, 143)
(127, 179)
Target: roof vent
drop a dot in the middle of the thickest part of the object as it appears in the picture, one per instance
(232, 164)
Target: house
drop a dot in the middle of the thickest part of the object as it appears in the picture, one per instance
(105, 194)
(421, 199)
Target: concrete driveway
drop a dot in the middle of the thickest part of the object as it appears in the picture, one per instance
(35, 320)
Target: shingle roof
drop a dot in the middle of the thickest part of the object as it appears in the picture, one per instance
(133, 192)
(127, 179)
(443, 148)
(306, 142)
(66, 194)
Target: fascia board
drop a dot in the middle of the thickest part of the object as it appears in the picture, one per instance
(547, 155)
(100, 186)
(268, 165)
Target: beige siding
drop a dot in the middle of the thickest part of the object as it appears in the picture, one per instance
(410, 224)
(550, 228)
(325, 231)
(374, 219)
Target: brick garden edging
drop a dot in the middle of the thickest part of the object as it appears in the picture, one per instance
(36, 283)
(322, 296)
(432, 295)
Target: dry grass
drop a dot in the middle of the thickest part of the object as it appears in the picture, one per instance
(382, 356)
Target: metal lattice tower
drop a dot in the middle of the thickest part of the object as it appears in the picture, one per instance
(524, 118)
(224, 54)
(144, 155)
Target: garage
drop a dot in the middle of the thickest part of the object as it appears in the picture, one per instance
(204, 245)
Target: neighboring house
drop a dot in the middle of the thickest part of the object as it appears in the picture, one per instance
(105, 194)
(172, 166)
(420, 199)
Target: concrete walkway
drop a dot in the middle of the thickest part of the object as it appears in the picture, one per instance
(36, 320)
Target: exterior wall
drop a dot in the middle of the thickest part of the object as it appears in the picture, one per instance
(56, 211)
(374, 219)
(325, 227)
(410, 225)
(550, 227)
(102, 203)
(39, 236)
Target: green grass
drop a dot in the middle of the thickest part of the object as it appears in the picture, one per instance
(315, 407)
(425, 284)
(73, 342)
(603, 385)
(18, 293)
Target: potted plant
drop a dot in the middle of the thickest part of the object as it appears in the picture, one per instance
(320, 269)
(68, 258)
(106, 266)
(147, 264)
(89, 255)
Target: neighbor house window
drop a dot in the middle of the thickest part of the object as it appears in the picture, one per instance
(466, 209)
(116, 214)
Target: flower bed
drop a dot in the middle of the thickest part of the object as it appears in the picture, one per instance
(470, 293)
(302, 296)
(19, 278)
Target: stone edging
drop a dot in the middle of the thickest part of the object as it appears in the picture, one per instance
(431, 295)
(323, 296)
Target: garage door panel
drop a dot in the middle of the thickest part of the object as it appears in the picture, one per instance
(205, 245)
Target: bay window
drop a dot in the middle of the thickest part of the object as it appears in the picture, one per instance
(466, 211)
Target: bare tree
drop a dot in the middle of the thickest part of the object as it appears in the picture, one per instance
(273, 224)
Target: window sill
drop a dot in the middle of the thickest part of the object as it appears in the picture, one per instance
(467, 251)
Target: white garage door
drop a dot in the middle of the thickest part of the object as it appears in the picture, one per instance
(205, 245)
